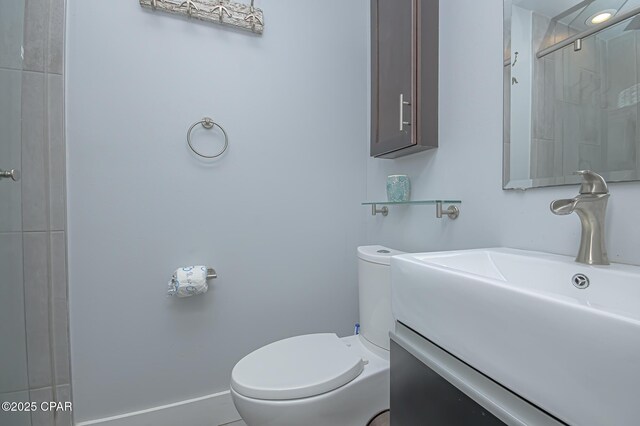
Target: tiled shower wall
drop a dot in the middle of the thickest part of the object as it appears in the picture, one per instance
(43, 209)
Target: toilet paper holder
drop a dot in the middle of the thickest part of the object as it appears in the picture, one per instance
(211, 274)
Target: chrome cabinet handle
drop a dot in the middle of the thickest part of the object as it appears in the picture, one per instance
(11, 174)
(403, 103)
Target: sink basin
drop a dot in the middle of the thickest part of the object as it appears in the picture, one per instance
(518, 317)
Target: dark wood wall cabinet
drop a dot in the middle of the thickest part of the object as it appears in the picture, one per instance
(404, 77)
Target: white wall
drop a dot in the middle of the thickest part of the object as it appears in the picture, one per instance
(468, 163)
(278, 216)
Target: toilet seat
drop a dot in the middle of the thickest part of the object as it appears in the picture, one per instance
(298, 367)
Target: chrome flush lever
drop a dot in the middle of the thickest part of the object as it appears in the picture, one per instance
(10, 174)
(403, 103)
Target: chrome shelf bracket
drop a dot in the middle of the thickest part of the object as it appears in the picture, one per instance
(375, 210)
(452, 212)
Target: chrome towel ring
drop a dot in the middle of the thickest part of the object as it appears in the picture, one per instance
(207, 123)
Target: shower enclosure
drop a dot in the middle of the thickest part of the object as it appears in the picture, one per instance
(34, 354)
(13, 351)
(571, 81)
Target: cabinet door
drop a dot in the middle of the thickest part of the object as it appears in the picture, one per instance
(419, 396)
(392, 74)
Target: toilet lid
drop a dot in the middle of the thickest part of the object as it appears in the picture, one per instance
(298, 367)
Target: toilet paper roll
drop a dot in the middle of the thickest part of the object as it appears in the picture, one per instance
(188, 281)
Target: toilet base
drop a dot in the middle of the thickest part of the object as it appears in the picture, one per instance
(354, 404)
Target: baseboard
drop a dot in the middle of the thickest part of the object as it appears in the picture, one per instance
(209, 410)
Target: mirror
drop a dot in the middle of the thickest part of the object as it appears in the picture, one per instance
(571, 91)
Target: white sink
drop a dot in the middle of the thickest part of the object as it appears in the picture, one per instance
(517, 317)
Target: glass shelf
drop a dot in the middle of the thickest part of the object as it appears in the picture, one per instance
(452, 212)
(422, 202)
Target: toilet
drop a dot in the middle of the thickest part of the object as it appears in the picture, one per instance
(321, 379)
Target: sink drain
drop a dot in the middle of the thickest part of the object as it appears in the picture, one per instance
(580, 281)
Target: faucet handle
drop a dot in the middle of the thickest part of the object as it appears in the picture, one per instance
(592, 183)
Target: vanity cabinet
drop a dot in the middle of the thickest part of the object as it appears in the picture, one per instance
(404, 77)
(431, 386)
(420, 394)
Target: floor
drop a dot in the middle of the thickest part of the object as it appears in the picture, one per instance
(381, 420)
(238, 423)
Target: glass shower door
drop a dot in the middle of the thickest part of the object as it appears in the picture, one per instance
(13, 354)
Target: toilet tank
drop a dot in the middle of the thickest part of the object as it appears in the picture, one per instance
(374, 288)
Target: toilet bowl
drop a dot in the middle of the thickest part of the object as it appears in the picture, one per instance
(321, 379)
(330, 398)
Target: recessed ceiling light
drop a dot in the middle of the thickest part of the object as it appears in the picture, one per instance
(601, 16)
(599, 19)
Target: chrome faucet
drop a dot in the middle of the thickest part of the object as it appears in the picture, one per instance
(590, 206)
